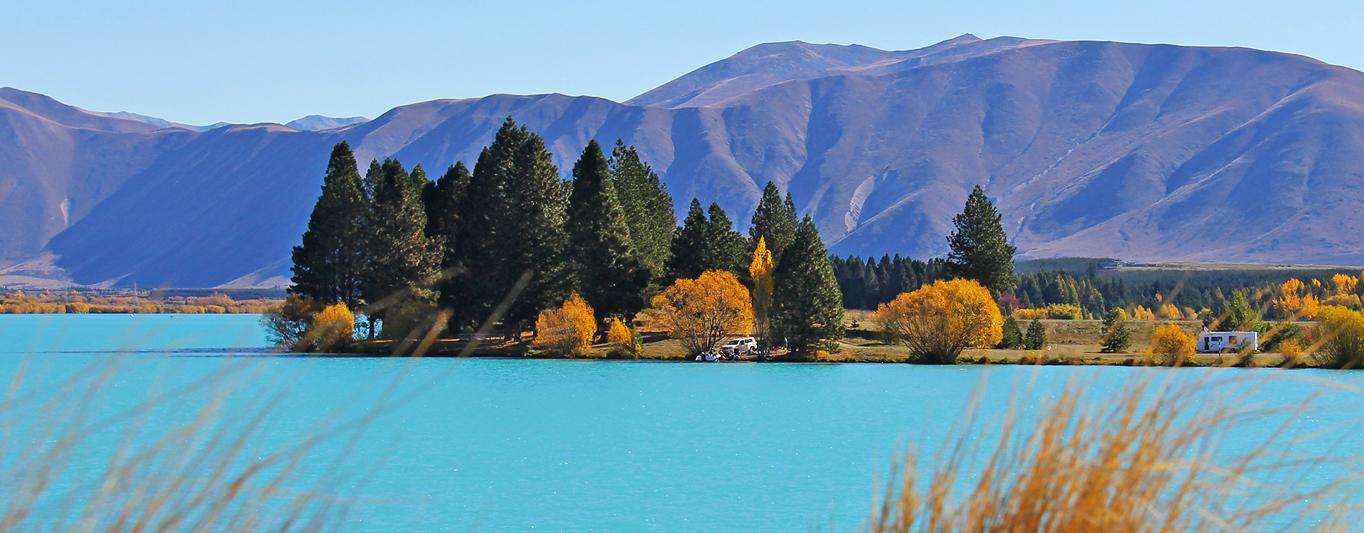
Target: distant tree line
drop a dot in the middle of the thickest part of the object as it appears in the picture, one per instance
(869, 282)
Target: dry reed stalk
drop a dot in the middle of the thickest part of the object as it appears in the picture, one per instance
(1142, 460)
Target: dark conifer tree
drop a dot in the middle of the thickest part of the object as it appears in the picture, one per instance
(1013, 336)
(445, 201)
(687, 259)
(514, 239)
(980, 249)
(605, 270)
(648, 208)
(403, 259)
(774, 221)
(808, 307)
(725, 248)
(1036, 336)
(329, 264)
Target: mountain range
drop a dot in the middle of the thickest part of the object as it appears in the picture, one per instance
(1098, 149)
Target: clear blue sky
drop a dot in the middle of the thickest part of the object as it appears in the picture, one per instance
(254, 61)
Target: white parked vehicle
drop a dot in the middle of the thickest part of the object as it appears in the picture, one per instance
(740, 345)
(1218, 341)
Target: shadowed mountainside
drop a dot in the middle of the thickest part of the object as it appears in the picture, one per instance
(1145, 152)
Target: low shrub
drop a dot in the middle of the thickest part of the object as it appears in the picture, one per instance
(1340, 332)
(1291, 351)
(621, 340)
(1065, 312)
(332, 328)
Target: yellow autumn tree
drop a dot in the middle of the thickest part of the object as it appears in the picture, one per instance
(1171, 345)
(760, 270)
(938, 321)
(1170, 312)
(331, 328)
(701, 312)
(1142, 312)
(1295, 301)
(568, 329)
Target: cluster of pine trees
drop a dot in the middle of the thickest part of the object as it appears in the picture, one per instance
(497, 245)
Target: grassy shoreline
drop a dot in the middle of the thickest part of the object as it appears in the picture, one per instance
(1073, 343)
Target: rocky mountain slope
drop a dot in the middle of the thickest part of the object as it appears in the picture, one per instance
(1144, 152)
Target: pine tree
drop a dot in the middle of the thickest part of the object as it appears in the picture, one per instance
(328, 265)
(514, 239)
(773, 221)
(403, 259)
(807, 311)
(606, 270)
(1013, 337)
(1238, 314)
(648, 208)
(686, 256)
(980, 249)
(1116, 337)
(1036, 337)
(725, 248)
(444, 200)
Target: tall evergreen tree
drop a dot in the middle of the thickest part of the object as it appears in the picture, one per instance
(329, 264)
(808, 306)
(687, 256)
(606, 270)
(773, 222)
(980, 249)
(444, 200)
(515, 210)
(725, 248)
(647, 205)
(402, 258)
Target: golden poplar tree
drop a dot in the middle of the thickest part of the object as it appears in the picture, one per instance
(702, 311)
(760, 269)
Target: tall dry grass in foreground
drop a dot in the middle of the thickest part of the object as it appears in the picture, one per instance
(1143, 460)
(188, 458)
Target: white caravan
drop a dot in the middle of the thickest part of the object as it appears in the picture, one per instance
(1219, 341)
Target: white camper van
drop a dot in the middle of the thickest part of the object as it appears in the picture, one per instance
(1218, 341)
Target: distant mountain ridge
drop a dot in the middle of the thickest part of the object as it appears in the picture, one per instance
(1143, 152)
(319, 122)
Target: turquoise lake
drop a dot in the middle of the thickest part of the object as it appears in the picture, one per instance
(503, 444)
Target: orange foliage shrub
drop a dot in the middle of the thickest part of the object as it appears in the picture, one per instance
(702, 311)
(938, 321)
(331, 328)
(1344, 283)
(1170, 312)
(1142, 312)
(621, 339)
(1291, 351)
(567, 330)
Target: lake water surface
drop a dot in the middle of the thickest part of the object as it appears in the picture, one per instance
(502, 444)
